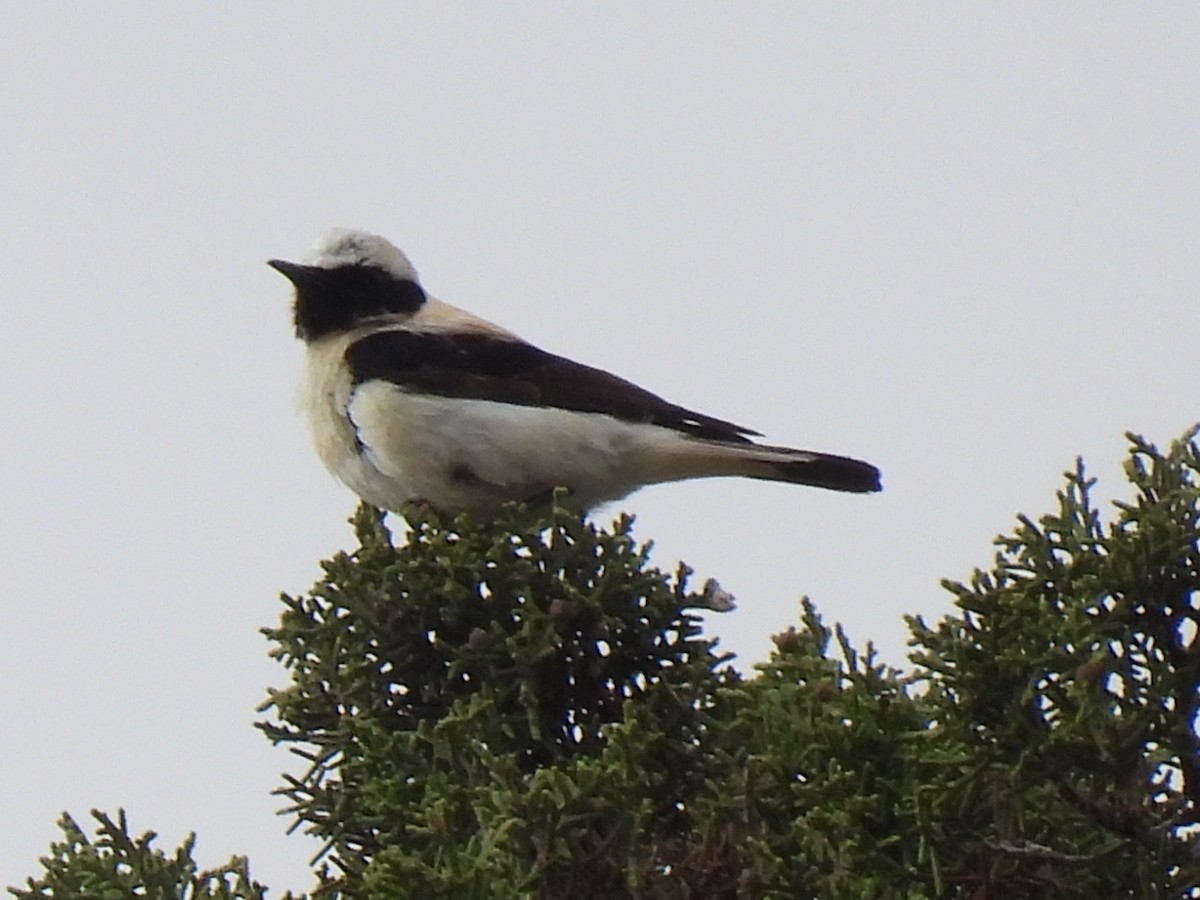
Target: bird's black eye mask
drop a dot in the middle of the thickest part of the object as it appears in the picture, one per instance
(333, 300)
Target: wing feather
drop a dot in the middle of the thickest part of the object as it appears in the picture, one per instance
(486, 367)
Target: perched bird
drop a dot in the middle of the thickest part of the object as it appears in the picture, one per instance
(411, 399)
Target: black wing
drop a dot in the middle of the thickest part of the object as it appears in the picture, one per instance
(484, 367)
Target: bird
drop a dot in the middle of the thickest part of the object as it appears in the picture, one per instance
(412, 400)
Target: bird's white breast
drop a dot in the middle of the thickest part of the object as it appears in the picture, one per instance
(324, 397)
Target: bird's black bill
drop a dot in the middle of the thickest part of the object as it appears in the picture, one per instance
(297, 274)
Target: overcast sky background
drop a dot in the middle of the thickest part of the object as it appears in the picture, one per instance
(961, 242)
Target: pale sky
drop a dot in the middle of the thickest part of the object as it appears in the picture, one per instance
(960, 241)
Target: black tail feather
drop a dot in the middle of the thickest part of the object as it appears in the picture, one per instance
(837, 473)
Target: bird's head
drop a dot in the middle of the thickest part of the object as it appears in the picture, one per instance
(348, 278)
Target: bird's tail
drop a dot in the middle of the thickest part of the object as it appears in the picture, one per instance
(700, 459)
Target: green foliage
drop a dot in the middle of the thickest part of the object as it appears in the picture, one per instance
(490, 711)
(116, 866)
(1069, 689)
(819, 762)
(530, 710)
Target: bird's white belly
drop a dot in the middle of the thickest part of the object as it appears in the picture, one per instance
(474, 455)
